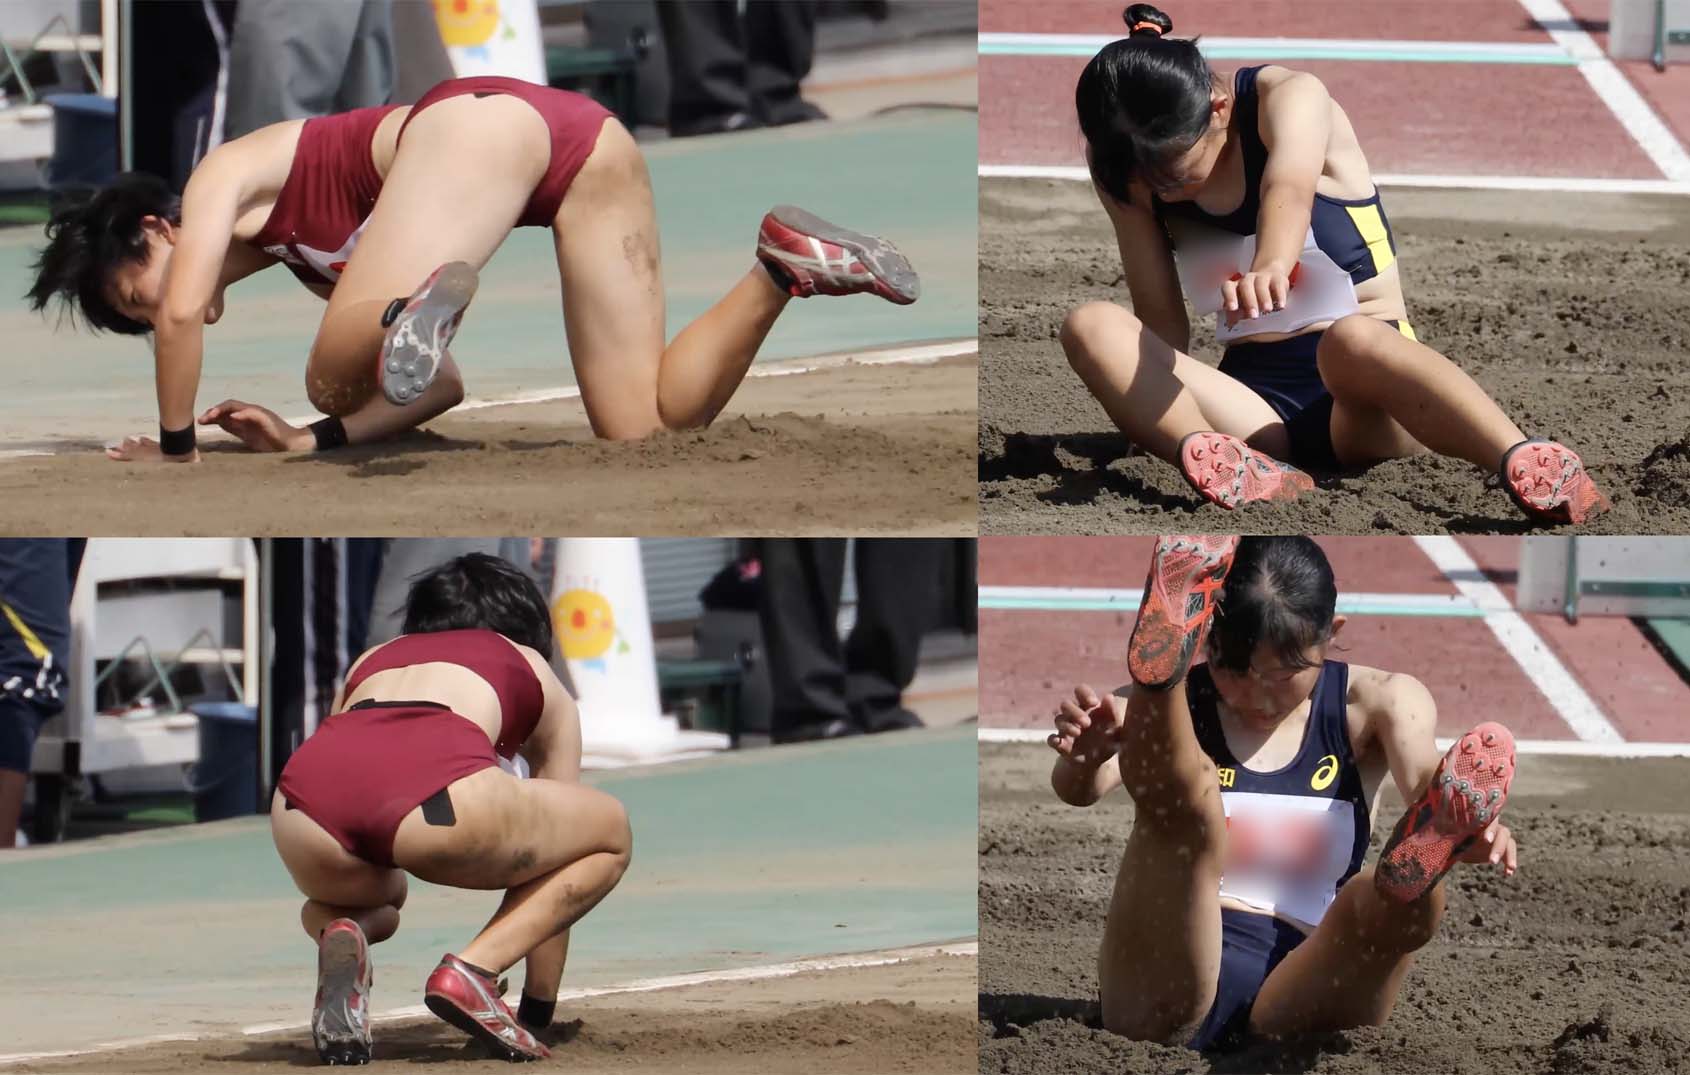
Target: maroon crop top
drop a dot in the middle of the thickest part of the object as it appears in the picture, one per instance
(331, 188)
(486, 653)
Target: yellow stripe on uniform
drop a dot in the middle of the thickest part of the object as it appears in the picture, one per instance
(36, 649)
(1371, 227)
(1407, 330)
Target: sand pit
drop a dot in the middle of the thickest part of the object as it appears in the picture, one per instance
(1573, 967)
(852, 449)
(911, 1016)
(1570, 310)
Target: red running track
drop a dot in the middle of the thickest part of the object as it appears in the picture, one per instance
(1412, 118)
(1030, 660)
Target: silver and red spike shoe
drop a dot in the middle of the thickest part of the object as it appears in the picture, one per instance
(470, 1001)
(806, 255)
(340, 1015)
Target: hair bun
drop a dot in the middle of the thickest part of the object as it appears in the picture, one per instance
(1146, 20)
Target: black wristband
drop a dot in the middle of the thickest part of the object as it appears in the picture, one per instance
(330, 433)
(176, 441)
(535, 1013)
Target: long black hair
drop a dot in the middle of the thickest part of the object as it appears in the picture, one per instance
(1280, 593)
(90, 234)
(1142, 101)
(478, 591)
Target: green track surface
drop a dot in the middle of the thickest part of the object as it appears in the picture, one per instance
(742, 860)
(908, 176)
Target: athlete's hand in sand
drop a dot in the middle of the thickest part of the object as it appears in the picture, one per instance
(259, 428)
(1088, 727)
(1260, 291)
(145, 450)
(1494, 846)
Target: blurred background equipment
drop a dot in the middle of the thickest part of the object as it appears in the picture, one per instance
(195, 667)
(158, 628)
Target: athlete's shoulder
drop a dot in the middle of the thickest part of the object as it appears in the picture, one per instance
(1270, 77)
(1384, 703)
(1380, 689)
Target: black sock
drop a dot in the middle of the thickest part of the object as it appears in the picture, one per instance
(391, 314)
(487, 974)
(535, 1013)
(779, 275)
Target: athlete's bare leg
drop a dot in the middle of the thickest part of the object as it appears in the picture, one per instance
(1349, 971)
(557, 848)
(1157, 395)
(608, 257)
(1391, 395)
(336, 883)
(440, 202)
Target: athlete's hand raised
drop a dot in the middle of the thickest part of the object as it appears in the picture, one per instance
(1496, 846)
(1088, 727)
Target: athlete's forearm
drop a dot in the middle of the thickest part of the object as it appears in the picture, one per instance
(1281, 225)
(178, 354)
(1076, 783)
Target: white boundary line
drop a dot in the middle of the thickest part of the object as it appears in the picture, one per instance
(1553, 184)
(998, 44)
(919, 355)
(645, 985)
(679, 981)
(1540, 664)
(102, 1047)
(1611, 85)
(1100, 599)
(1561, 747)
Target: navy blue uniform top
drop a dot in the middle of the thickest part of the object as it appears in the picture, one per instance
(1296, 834)
(1356, 235)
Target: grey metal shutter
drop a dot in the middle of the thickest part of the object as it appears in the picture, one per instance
(676, 569)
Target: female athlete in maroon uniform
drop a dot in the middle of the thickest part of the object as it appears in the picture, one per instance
(1241, 908)
(378, 204)
(405, 778)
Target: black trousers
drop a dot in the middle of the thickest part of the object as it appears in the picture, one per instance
(36, 578)
(721, 62)
(173, 87)
(814, 675)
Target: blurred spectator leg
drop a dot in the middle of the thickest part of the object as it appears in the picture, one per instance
(801, 581)
(293, 59)
(898, 593)
(35, 583)
(780, 39)
(705, 43)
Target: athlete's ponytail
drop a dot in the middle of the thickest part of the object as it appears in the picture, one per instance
(1280, 594)
(1142, 101)
(480, 592)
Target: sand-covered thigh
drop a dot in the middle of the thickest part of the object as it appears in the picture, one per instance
(851, 449)
(1572, 311)
(1575, 965)
(911, 1016)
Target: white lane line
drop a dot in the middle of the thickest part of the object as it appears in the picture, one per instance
(1553, 184)
(1611, 85)
(678, 981)
(1540, 664)
(1296, 48)
(1099, 599)
(918, 355)
(102, 1047)
(1562, 747)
